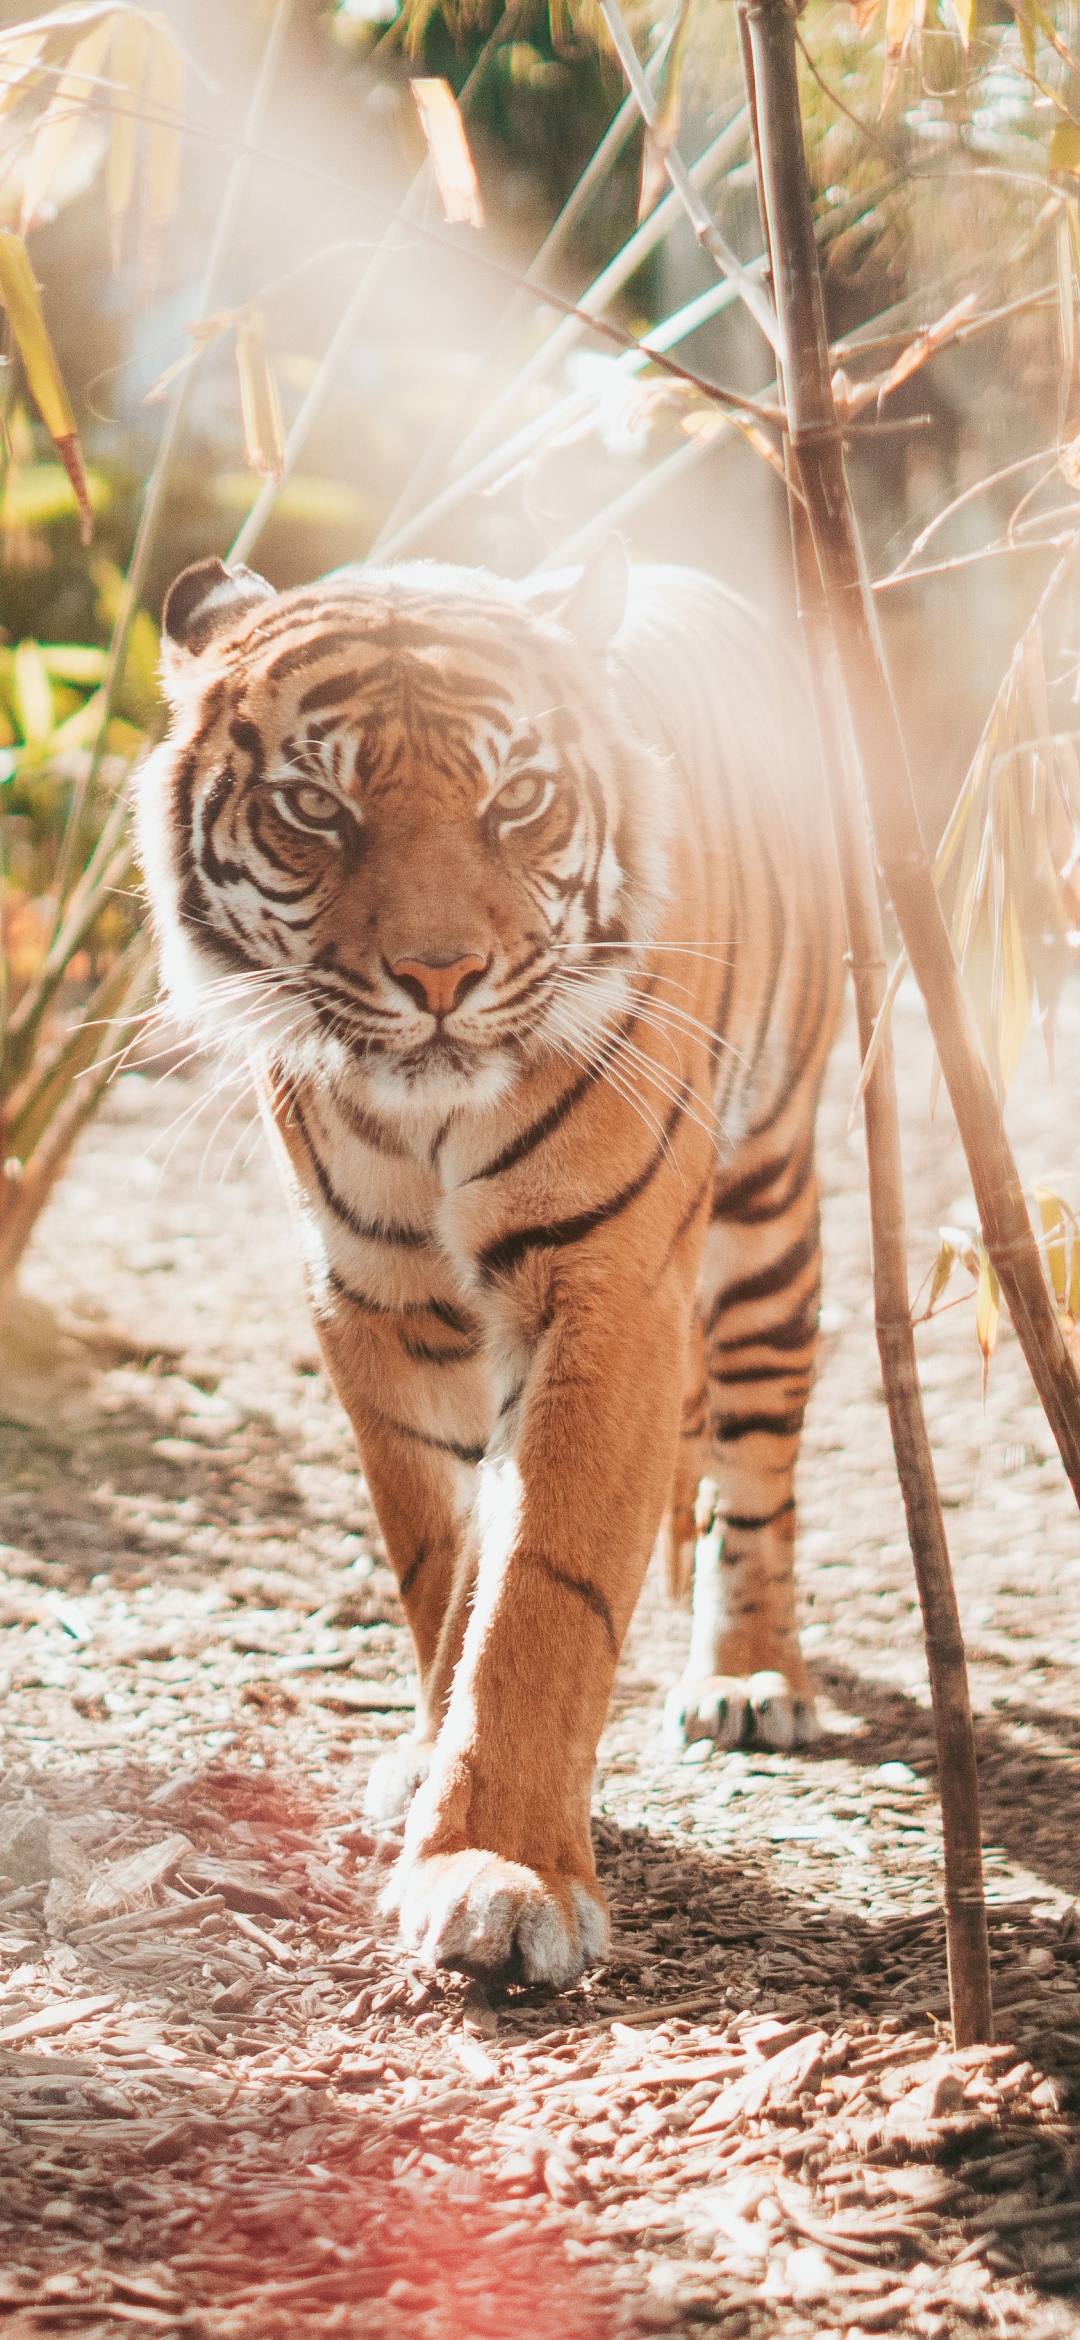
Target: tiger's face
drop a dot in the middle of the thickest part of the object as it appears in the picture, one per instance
(398, 833)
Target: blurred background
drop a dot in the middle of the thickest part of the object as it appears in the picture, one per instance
(432, 406)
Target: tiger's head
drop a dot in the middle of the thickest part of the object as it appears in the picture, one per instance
(399, 831)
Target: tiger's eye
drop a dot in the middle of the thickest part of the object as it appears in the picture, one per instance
(520, 795)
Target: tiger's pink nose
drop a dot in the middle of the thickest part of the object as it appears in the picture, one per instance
(439, 989)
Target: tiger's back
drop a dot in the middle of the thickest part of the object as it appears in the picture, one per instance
(524, 910)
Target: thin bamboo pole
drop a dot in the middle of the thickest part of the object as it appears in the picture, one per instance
(965, 1909)
(817, 451)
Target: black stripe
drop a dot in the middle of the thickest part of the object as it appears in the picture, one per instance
(745, 1523)
(589, 1593)
(407, 1582)
(469, 1454)
(405, 1238)
(511, 1249)
(798, 1331)
(423, 1354)
(539, 1130)
(768, 1281)
(329, 693)
(441, 1310)
(777, 1425)
(741, 1204)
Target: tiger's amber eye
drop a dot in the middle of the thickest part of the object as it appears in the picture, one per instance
(520, 795)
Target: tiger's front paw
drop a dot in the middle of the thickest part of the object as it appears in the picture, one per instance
(478, 1914)
(393, 1780)
(760, 1711)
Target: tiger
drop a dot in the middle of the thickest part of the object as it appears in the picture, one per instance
(519, 900)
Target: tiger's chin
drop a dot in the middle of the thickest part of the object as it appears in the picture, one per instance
(440, 1078)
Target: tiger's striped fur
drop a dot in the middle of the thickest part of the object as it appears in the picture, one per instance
(526, 919)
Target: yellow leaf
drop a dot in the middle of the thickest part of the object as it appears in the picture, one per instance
(126, 70)
(987, 1310)
(264, 434)
(63, 117)
(943, 1268)
(1074, 1282)
(1065, 152)
(899, 20)
(1052, 1213)
(33, 695)
(22, 300)
(965, 12)
(1026, 31)
(163, 98)
(450, 153)
(863, 13)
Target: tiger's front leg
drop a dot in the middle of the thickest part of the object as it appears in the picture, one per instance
(497, 1875)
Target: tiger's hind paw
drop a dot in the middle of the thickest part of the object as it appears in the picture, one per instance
(761, 1711)
(393, 1780)
(478, 1914)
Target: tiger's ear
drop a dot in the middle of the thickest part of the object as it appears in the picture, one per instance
(594, 606)
(201, 602)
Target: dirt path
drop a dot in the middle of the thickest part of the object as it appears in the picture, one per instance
(229, 2106)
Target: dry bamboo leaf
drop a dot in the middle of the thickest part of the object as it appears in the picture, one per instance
(943, 1268)
(17, 61)
(448, 145)
(863, 13)
(661, 137)
(965, 12)
(63, 117)
(1064, 160)
(1066, 307)
(1074, 1282)
(164, 102)
(22, 300)
(264, 433)
(1052, 1213)
(902, 18)
(1026, 31)
(987, 1311)
(126, 70)
(204, 331)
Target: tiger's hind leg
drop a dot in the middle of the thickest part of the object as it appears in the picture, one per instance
(746, 1676)
(678, 1531)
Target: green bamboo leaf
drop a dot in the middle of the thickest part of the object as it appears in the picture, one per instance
(22, 300)
(34, 706)
(74, 662)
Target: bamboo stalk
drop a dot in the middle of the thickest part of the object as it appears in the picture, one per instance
(899, 849)
(852, 695)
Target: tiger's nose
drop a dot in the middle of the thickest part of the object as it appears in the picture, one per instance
(440, 989)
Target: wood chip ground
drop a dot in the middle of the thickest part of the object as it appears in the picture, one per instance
(229, 2105)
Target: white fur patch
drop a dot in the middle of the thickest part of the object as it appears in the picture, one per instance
(473, 1911)
(394, 1779)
